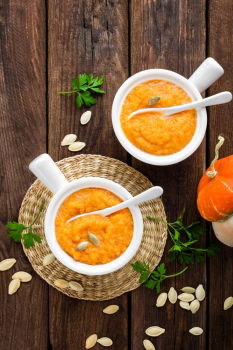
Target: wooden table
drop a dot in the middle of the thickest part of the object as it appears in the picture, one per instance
(43, 44)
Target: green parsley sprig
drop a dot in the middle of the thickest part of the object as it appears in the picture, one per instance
(184, 239)
(29, 238)
(83, 86)
(153, 279)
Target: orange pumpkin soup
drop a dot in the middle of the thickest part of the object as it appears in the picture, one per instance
(113, 233)
(148, 131)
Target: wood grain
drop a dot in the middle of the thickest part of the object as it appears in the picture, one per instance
(85, 37)
(220, 122)
(23, 316)
(173, 37)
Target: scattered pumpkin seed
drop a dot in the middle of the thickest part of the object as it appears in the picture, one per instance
(105, 341)
(76, 146)
(153, 100)
(22, 276)
(200, 292)
(184, 305)
(60, 283)
(228, 303)
(172, 295)
(154, 331)
(186, 297)
(93, 239)
(148, 345)
(189, 290)
(6, 264)
(68, 139)
(91, 341)
(48, 259)
(111, 309)
(13, 286)
(161, 300)
(76, 286)
(85, 117)
(195, 306)
(82, 246)
(196, 331)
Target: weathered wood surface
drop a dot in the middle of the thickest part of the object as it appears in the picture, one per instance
(44, 43)
(24, 316)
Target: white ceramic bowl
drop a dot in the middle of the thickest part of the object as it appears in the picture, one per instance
(203, 77)
(47, 171)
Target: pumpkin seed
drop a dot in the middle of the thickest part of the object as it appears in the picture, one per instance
(186, 297)
(228, 303)
(172, 295)
(200, 292)
(104, 341)
(91, 341)
(76, 286)
(13, 286)
(60, 283)
(184, 305)
(93, 238)
(48, 259)
(68, 139)
(154, 331)
(153, 100)
(76, 146)
(195, 306)
(6, 264)
(161, 300)
(189, 290)
(111, 309)
(82, 246)
(196, 331)
(148, 345)
(22, 276)
(85, 117)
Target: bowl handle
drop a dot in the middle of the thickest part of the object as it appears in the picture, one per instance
(206, 74)
(46, 170)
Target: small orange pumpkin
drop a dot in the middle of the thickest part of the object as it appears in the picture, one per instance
(215, 189)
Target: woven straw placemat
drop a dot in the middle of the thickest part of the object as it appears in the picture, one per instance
(111, 285)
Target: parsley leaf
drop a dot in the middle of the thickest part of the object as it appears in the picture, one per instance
(83, 86)
(15, 231)
(184, 239)
(153, 279)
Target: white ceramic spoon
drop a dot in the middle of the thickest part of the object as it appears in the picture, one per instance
(151, 193)
(222, 97)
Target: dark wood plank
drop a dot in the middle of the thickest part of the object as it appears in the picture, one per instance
(171, 35)
(24, 316)
(220, 122)
(85, 36)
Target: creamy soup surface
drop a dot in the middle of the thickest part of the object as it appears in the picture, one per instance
(114, 232)
(148, 131)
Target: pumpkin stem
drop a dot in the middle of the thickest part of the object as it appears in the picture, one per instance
(212, 172)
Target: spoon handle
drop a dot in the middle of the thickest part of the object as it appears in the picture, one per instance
(151, 193)
(222, 97)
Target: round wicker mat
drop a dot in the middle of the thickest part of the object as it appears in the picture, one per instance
(114, 284)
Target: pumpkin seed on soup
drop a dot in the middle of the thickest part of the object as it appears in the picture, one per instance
(82, 246)
(153, 100)
(93, 239)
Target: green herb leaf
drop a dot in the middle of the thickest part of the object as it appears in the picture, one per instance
(74, 84)
(83, 86)
(15, 231)
(184, 239)
(153, 279)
